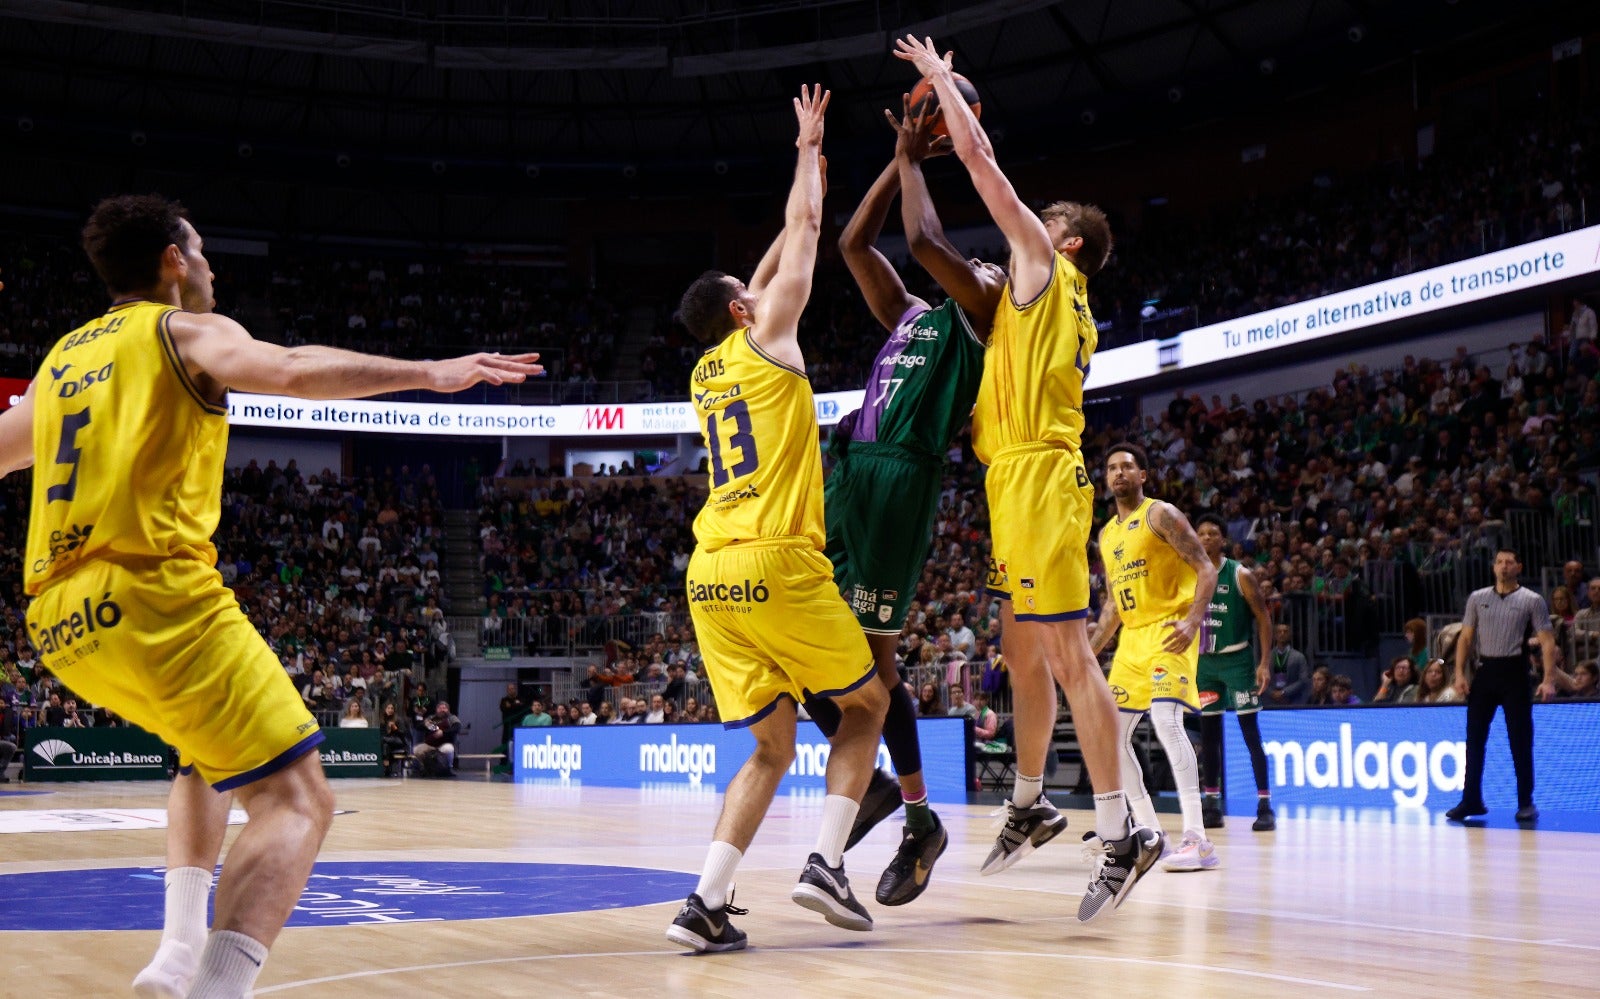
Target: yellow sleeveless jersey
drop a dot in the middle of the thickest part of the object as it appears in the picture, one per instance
(760, 425)
(1033, 374)
(128, 456)
(1147, 577)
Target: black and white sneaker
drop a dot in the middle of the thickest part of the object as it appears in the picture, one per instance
(881, 800)
(826, 890)
(703, 930)
(906, 877)
(1026, 830)
(1118, 866)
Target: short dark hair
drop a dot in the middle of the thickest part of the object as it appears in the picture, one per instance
(1088, 222)
(1212, 518)
(125, 237)
(703, 310)
(1508, 550)
(1139, 457)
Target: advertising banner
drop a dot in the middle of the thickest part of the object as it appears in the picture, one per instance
(92, 754)
(705, 757)
(1411, 758)
(352, 752)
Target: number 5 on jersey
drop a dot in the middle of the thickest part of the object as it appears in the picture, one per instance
(67, 453)
(738, 414)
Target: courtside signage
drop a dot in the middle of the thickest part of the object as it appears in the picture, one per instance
(70, 754)
(705, 757)
(1571, 254)
(465, 420)
(1410, 758)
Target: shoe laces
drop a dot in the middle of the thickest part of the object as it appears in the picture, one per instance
(729, 909)
(1097, 852)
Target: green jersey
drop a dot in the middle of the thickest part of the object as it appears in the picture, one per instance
(1228, 618)
(923, 383)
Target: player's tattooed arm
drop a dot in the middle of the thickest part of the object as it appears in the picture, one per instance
(1106, 627)
(1173, 527)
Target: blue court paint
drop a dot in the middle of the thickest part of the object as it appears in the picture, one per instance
(348, 894)
(22, 794)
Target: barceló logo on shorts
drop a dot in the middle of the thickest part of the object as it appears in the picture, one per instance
(744, 592)
(51, 638)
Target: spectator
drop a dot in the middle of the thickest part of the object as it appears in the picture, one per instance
(562, 716)
(396, 744)
(1433, 687)
(985, 723)
(959, 707)
(962, 640)
(536, 717)
(1399, 680)
(354, 716)
(436, 757)
(1341, 691)
(1581, 686)
(1586, 623)
(606, 715)
(512, 712)
(658, 710)
(1291, 680)
(586, 715)
(1321, 694)
(1416, 635)
(928, 704)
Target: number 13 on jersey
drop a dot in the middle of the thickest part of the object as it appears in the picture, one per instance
(739, 438)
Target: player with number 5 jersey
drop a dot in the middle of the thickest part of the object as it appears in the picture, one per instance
(128, 425)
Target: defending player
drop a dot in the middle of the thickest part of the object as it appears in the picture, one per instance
(918, 395)
(1159, 584)
(1028, 427)
(128, 608)
(1227, 680)
(771, 624)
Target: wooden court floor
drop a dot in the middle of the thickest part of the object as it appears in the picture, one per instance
(1323, 907)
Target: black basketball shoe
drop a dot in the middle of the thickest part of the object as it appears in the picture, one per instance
(906, 877)
(703, 930)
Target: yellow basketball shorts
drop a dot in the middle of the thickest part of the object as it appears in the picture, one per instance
(164, 644)
(1041, 507)
(1143, 672)
(771, 624)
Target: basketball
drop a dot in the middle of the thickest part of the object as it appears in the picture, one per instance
(924, 99)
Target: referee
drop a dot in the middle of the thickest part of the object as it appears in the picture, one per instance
(1508, 615)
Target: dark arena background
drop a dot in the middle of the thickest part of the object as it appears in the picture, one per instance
(1350, 310)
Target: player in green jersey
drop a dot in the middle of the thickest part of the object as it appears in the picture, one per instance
(1230, 676)
(883, 492)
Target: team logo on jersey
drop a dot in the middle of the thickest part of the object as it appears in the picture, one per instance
(1133, 524)
(1116, 552)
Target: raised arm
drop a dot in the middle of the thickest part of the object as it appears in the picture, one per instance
(1258, 609)
(777, 324)
(884, 291)
(975, 287)
(1032, 253)
(1173, 527)
(220, 355)
(768, 265)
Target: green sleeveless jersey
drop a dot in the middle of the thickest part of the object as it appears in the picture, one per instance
(923, 382)
(1228, 618)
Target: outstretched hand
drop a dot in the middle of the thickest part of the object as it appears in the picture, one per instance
(497, 369)
(922, 55)
(914, 140)
(810, 107)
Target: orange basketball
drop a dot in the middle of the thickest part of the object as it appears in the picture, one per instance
(923, 99)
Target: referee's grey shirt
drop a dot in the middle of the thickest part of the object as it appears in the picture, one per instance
(1503, 622)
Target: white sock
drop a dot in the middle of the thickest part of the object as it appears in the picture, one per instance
(228, 966)
(838, 815)
(1144, 810)
(1167, 717)
(187, 890)
(717, 877)
(1027, 790)
(1111, 816)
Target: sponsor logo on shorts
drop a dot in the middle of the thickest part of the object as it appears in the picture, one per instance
(1027, 584)
(305, 727)
(863, 601)
(737, 495)
(891, 595)
(997, 572)
(75, 632)
(1158, 673)
(1208, 698)
(1243, 699)
(1120, 693)
(885, 612)
(739, 597)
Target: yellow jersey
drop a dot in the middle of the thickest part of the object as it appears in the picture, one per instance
(128, 455)
(1148, 579)
(1032, 389)
(760, 425)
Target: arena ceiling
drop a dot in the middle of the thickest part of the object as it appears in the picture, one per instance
(686, 95)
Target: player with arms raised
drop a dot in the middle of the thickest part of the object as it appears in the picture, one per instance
(770, 621)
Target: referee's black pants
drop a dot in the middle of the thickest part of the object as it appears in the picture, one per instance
(1500, 683)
